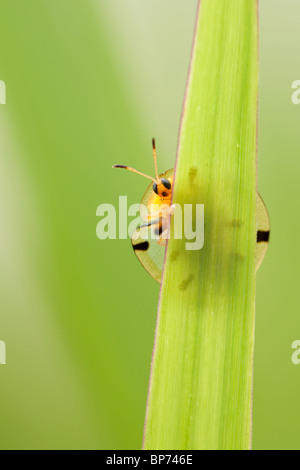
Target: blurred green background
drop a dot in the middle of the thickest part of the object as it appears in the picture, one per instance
(89, 82)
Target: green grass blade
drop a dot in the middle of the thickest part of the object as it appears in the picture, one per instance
(200, 394)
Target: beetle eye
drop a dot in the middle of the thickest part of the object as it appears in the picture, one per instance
(166, 183)
(155, 188)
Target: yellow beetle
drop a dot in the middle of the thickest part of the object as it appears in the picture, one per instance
(159, 195)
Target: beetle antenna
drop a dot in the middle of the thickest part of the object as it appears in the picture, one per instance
(134, 171)
(155, 159)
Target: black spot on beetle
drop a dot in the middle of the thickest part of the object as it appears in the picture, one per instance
(142, 246)
(263, 236)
